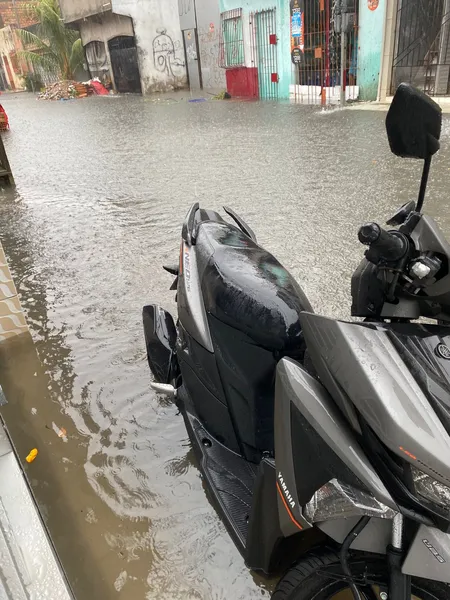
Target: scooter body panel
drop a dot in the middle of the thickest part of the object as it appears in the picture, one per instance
(429, 555)
(364, 362)
(321, 445)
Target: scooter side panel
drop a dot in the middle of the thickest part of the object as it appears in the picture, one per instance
(295, 385)
(429, 555)
(289, 509)
(365, 363)
(191, 308)
(375, 537)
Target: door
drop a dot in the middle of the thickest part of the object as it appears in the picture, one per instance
(422, 48)
(124, 64)
(264, 51)
(192, 58)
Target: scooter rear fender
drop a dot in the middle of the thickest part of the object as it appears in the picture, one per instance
(160, 340)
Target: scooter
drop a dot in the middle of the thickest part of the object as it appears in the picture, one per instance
(324, 444)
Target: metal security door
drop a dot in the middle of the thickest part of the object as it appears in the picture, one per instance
(124, 63)
(264, 51)
(422, 46)
(192, 59)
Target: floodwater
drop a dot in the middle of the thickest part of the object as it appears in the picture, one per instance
(103, 185)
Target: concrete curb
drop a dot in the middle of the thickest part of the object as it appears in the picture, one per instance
(12, 318)
(443, 101)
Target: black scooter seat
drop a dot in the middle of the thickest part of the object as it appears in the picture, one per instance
(245, 287)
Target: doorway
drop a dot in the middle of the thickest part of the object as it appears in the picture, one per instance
(124, 64)
(422, 46)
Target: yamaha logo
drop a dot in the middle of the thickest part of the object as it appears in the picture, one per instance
(286, 491)
(443, 351)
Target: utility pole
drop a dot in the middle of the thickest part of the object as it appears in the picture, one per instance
(344, 21)
(343, 70)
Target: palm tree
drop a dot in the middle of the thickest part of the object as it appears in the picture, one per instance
(55, 48)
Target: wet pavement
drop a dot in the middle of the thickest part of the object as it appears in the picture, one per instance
(103, 185)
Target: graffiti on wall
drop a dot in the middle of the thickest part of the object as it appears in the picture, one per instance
(297, 31)
(165, 52)
(209, 37)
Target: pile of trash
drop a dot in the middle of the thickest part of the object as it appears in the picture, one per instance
(61, 90)
(66, 90)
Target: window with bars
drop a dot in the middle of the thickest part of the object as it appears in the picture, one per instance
(231, 51)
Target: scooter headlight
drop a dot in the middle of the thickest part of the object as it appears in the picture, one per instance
(431, 489)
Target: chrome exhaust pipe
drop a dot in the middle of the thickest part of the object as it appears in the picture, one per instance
(166, 389)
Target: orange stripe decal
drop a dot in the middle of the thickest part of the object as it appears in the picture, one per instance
(287, 507)
(408, 453)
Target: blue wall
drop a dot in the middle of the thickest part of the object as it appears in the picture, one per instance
(370, 47)
(283, 34)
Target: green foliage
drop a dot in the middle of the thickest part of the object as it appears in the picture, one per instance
(55, 48)
(33, 82)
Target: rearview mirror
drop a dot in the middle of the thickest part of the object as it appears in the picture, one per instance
(413, 123)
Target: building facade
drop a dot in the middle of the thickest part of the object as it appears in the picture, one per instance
(14, 14)
(290, 49)
(201, 32)
(404, 41)
(137, 44)
(159, 42)
(255, 47)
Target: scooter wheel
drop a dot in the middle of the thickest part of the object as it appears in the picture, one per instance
(308, 580)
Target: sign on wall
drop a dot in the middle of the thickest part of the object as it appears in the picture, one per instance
(297, 31)
(373, 4)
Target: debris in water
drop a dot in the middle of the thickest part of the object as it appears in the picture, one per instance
(121, 581)
(67, 90)
(32, 455)
(60, 432)
(222, 96)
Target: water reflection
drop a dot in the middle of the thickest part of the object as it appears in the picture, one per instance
(103, 187)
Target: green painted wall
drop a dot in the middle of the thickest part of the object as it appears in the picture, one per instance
(283, 34)
(370, 47)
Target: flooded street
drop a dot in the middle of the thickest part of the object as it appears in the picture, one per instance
(103, 185)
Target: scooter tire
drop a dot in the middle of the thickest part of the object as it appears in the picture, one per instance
(307, 580)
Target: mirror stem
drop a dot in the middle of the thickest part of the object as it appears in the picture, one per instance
(423, 183)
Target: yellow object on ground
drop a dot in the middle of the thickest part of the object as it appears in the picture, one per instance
(32, 455)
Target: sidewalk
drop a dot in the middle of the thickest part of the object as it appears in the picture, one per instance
(443, 101)
(29, 567)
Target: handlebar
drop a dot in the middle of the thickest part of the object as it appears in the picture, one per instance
(384, 245)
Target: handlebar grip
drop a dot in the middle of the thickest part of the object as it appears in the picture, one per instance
(388, 245)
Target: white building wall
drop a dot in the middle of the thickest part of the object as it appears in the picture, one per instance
(159, 42)
(105, 27)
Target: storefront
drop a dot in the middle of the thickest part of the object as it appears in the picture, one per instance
(324, 50)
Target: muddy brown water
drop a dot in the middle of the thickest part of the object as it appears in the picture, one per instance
(103, 185)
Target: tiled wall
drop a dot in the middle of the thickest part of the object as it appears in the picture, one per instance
(12, 319)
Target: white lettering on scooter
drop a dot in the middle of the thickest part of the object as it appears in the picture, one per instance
(434, 552)
(285, 490)
(187, 270)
